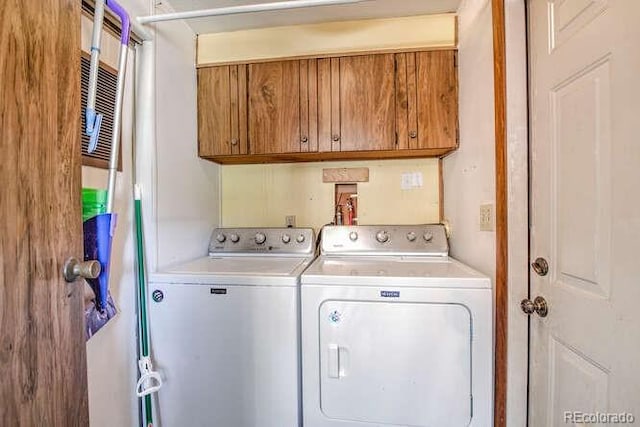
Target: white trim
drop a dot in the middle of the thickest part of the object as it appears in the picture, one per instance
(248, 8)
(518, 214)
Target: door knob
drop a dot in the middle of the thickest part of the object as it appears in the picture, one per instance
(540, 266)
(86, 269)
(538, 306)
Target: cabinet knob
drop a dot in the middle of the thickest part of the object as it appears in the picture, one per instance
(413, 134)
(304, 139)
(336, 138)
(234, 141)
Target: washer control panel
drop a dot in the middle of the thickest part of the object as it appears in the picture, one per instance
(281, 241)
(427, 239)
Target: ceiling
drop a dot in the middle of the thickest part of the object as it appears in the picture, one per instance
(367, 9)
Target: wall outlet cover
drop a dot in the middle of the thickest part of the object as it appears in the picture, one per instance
(487, 217)
(290, 221)
(411, 180)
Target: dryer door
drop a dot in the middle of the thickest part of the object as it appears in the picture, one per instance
(396, 363)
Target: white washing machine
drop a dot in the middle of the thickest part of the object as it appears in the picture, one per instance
(225, 331)
(395, 332)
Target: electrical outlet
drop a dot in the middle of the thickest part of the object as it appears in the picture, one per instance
(290, 221)
(486, 217)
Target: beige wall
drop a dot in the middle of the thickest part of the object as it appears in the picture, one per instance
(426, 31)
(262, 195)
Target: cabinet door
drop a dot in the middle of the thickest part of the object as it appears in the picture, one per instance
(222, 118)
(357, 99)
(274, 107)
(427, 103)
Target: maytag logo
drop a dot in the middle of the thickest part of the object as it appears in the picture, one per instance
(390, 294)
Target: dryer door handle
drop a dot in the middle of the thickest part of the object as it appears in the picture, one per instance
(334, 361)
(337, 363)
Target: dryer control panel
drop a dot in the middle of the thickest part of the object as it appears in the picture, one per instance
(263, 241)
(420, 240)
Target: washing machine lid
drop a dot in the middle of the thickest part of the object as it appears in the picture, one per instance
(401, 271)
(230, 270)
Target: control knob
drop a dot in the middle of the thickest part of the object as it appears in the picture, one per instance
(286, 238)
(221, 237)
(260, 238)
(427, 236)
(411, 236)
(353, 236)
(300, 238)
(382, 236)
(234, 238)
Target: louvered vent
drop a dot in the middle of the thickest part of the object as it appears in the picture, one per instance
(105, 104)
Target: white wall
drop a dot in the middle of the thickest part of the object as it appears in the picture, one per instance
(181, 208)
(469, 172)
(187, 196)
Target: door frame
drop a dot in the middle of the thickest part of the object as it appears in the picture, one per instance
(512, 211)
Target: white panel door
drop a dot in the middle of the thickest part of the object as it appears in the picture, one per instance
(585, 160)
(398, 363)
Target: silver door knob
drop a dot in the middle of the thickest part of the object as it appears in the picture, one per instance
(413, 134)
(538, 306)
(234, 141)
(86, 269)
(540, 266)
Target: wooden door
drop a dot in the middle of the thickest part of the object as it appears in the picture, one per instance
(222, 111)
(358, 103)
(42, 347)
(274, 107)
(427, 100)
(585, 105)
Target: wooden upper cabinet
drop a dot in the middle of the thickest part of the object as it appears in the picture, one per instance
(427, 100)
(222, 117)
(354, 107)
(357, 103)
(283, 107)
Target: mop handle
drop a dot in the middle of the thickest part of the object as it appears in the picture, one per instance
(117, 116)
